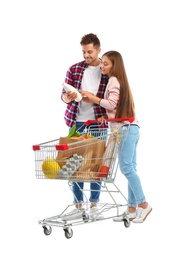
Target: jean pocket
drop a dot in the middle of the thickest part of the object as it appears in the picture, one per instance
(134, 130)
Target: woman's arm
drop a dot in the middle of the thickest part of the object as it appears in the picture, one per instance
(89, 97)
(111, 95)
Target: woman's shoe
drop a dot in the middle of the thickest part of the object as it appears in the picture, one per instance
(126, 214)
(142, 214)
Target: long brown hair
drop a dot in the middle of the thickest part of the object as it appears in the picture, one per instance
(125, 106)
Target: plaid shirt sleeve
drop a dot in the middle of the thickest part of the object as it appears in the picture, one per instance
(100, 111)
(74, 77)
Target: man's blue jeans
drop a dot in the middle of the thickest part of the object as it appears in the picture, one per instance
(95, 187)
(127, 163)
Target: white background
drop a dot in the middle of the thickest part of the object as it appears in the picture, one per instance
(39, 41)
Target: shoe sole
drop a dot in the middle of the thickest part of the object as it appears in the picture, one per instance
(123, 220)
(147, 215)
(67, 218)
(95, 216)
(131, 219)
(144, 217)
(71, 216)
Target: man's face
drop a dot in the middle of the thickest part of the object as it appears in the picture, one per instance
(90, 54)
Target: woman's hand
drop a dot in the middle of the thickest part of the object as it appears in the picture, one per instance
(89, 97)
(102, 118)
(86, 96)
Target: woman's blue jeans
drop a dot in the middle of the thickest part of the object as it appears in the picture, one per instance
(127, 163)
(95, 187)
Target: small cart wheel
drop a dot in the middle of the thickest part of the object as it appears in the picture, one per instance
(68, 233)
(85, 217)
(47, 231)
(126, 223)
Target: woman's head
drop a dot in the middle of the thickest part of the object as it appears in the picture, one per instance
(112, 64)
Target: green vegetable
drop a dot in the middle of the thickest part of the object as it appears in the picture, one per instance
(77, 133)
(72, 131)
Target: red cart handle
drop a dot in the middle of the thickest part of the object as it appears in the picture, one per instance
(129, 119)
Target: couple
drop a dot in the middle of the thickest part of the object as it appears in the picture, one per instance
(106, 93)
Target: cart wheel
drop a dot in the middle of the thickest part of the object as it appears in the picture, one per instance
(47, 231)
(85, 217)
(68, 233)
(126, 223)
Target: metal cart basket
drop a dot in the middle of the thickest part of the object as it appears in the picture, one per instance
(93, 157)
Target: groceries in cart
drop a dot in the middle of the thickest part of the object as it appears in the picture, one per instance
(50, 168)
(79, 156)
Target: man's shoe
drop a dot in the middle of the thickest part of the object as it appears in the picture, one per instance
(74, 214)
(95, 213)
(126, 214)
(142, 214)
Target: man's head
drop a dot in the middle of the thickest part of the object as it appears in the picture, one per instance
(91, 48)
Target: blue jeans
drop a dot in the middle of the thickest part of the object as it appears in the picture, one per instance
(95, 187)
(127, 163)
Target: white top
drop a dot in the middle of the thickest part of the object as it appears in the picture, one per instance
(90, 82)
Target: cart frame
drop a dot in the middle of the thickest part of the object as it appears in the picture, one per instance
(105, 178)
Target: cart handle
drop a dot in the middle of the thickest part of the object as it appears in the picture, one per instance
(129, 119)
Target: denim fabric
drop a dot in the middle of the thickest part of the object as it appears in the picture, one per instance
(127, 163)
(95, 187)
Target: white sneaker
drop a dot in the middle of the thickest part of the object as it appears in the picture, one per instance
(95, 213)
(74, 214)
(142, 214)
(126, 214)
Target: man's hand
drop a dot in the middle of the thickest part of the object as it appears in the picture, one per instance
(69, 96)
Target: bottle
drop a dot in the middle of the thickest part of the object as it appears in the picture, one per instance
(68, 87)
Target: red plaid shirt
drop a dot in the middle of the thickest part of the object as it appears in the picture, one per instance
(74, 77)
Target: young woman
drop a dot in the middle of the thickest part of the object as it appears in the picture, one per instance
(118, 102)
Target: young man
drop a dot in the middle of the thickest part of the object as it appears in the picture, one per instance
(85, 75)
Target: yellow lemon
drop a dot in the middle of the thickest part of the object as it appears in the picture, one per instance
(50, 168)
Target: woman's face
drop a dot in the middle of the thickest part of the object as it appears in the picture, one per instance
(105, 65)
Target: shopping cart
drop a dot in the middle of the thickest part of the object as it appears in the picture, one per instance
(94, 159)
